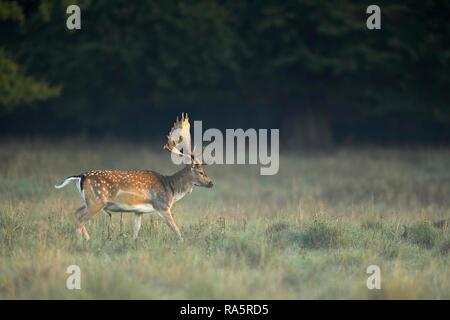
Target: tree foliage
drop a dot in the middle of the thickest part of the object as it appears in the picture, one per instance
(16, 88)
(304, 57)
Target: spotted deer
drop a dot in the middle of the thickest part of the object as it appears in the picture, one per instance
(143, 191)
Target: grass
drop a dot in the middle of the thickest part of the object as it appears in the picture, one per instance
(309, 232)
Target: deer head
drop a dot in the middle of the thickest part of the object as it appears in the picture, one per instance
(179, 143)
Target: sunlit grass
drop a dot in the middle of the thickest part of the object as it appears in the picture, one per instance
(308, 232)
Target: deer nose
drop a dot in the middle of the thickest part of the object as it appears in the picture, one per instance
(210, 184)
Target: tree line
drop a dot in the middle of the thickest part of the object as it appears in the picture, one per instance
(311, 68)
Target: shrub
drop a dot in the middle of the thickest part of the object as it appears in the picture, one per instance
(314, 235)
(444, 247)
(323, 234)
(422, 234)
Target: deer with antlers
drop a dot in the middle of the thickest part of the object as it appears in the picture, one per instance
(140, 192)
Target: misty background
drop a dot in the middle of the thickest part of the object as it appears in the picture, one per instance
(310, 68)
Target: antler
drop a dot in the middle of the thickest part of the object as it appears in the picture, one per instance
(179, 138)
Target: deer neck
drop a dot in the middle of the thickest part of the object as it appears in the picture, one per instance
(181, 182)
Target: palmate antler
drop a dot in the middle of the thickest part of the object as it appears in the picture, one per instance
(179, 138)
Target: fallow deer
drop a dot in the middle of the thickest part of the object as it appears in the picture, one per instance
(140, 192)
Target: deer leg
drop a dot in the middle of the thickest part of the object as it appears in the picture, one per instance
(78, 214)
(85, 233)
(81, 230)
(84, 216)
(80, 209)
(110, 226)
(137, 221)
(152, 223)
(167, 215)
(121, 223)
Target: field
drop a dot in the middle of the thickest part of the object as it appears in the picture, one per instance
(309, 232)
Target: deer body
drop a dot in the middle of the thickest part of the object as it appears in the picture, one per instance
(136, 191)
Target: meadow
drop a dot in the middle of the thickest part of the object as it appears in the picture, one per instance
(308, 232)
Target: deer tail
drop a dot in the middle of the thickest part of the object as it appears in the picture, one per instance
(69, 180)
